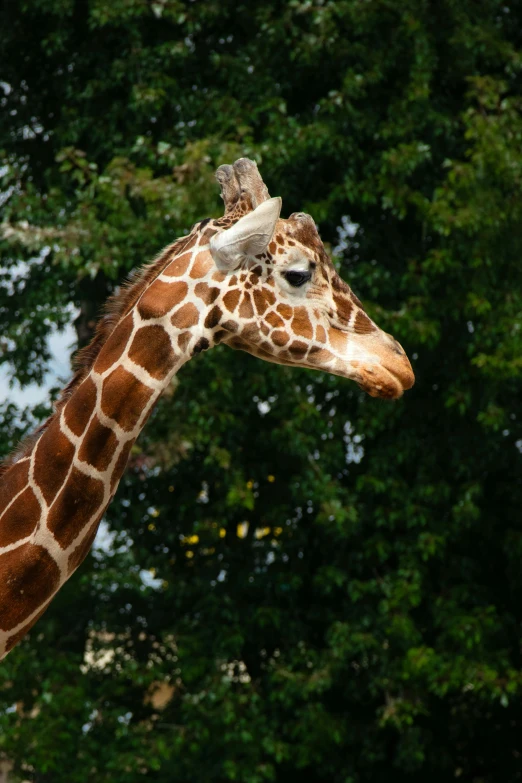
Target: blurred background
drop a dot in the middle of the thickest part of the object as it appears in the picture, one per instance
(295, 582)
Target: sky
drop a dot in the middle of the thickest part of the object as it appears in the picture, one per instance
(60, 345)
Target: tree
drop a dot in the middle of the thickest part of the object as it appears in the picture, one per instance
(336, 592)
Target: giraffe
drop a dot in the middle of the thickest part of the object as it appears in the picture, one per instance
(249, 279)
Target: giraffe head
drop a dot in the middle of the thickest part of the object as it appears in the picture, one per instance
(279, 297)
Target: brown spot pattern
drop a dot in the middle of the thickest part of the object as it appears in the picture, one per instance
(319, 355)
(98, 446)
(200, 267)
(28, 577)
(187, 315)
(213, 317)
(79, 554)
(338, 284)
(20, 519)
(201, 345)
(301, 323)
(183, 341)
(320, 334)
(260, 301)
(208, 234)
(122, 384)
(363, 325)
(121, 464)
(160, 298)
(179, 266)
(343, 307)
(192, 241)
(13, 481)
(56, 450)
(304, 230)
(275, 320)
(245, 309)
(250, 333)
(206, 293)
(285, 310)
(151, 349)
(298, 348)
(280, 338)
(231, 299)
(79, 409)
(78, 500)
(115, 345)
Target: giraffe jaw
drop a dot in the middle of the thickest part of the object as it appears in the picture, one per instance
(371, 375)
(384, 383)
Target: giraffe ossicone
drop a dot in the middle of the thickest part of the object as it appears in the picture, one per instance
(251, 280)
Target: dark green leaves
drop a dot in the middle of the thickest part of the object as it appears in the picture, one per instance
(323, 586)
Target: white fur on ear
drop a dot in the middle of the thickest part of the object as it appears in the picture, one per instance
(248, 237)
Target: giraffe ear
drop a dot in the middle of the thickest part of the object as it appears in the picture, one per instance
(248, 237)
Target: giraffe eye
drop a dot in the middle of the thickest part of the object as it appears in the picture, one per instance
(297, 277)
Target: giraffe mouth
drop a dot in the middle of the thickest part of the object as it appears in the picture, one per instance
(387, 382)
(384, 379)
(386, 388)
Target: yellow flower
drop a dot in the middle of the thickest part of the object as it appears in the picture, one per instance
(271, 478)
(242, 530)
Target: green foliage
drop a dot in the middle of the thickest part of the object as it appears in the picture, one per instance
(334, 588)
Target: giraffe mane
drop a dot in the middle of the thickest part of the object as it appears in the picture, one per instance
(115, 308)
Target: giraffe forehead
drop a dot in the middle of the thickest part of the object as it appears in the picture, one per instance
(301, 227)
(296, 238)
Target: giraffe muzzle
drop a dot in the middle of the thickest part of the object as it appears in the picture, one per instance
(391, 375)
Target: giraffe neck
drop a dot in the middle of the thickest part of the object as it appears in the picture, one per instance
(53, 498)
